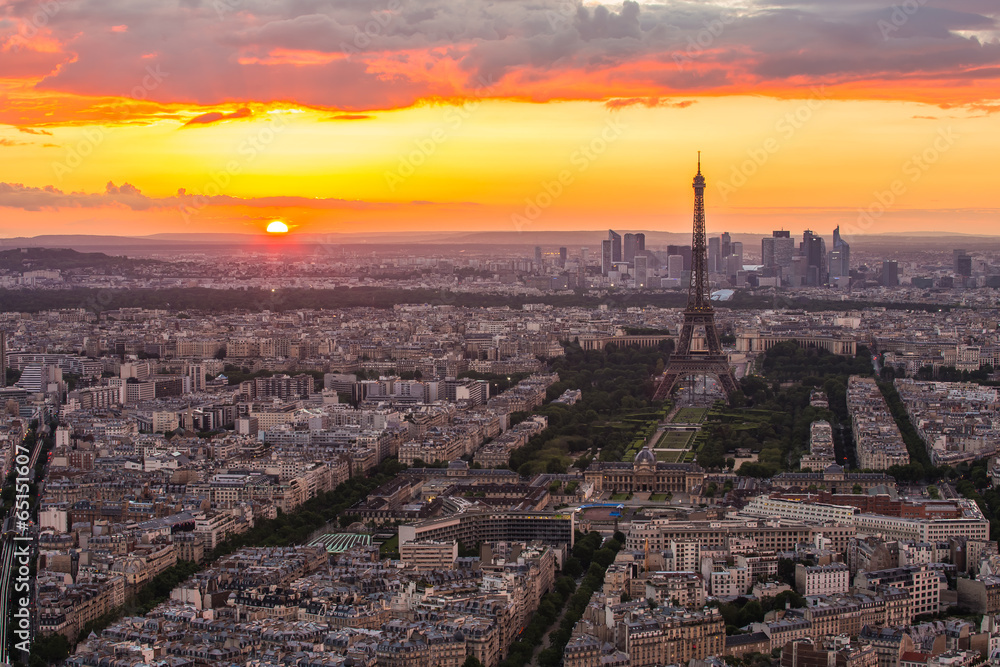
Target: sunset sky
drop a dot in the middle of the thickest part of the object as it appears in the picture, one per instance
(139, 116)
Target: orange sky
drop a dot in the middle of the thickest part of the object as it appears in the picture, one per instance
(121, 117)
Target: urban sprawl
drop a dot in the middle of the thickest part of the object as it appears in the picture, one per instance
(169, 468)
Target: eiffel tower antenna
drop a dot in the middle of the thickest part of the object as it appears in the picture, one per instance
(684, 362)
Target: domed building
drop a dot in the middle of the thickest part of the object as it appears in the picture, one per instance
(645, 474)
(645, 457)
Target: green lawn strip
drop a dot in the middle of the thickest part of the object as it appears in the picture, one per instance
(690, 415)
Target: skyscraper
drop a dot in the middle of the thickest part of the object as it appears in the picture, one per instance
(963, 263)
(635, 244)
(641, 271)
(840, 256)
(714, 256)
(732, 266)
(725, 246)
(562, 258)
(538, 255)
(682, 250)
(675, 267)
(890, 274)
(628, 248)
(616, 246)
(784, 250)
(3, 358)
(767, 251)
(607, 256)
(813, 249)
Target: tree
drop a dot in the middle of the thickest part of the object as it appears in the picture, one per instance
(573, 567)
(550, 657)
(786, 570)
(793, 599)
(468, 552)
(472, 661)
(730, 463)
(856, 489)
(933, 492)
(752, 612)
(47, 649)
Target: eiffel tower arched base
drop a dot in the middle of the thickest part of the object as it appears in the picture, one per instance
(699, 314)
(713, 365)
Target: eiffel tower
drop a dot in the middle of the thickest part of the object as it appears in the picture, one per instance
(699, 313)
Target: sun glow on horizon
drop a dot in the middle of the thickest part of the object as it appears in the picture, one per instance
(277, 227)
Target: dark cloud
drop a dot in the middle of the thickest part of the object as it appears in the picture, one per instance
(648, 102)
(217, 117)
(360, 55)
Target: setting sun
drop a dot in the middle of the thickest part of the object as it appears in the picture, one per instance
(277, 227)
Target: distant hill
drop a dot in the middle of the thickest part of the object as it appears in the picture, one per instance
(35, 259)
(171, 245)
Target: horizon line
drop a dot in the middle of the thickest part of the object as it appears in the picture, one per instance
(164, 236)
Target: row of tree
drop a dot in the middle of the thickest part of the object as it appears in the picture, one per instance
(203, 299)
(589, 551)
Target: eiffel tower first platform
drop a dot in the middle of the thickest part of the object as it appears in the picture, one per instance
(684, 362)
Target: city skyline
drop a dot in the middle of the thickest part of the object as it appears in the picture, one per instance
(556, 116)
(290, 446)
(466, 333)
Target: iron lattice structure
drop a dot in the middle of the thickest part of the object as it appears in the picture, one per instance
(713, 361)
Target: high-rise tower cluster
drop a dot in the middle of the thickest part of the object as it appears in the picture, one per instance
(626, 256)
(808, 265)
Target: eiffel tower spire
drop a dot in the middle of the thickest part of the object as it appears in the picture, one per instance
(698, 294)
(699, 313)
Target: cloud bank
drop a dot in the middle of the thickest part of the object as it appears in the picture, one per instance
(362, 55)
